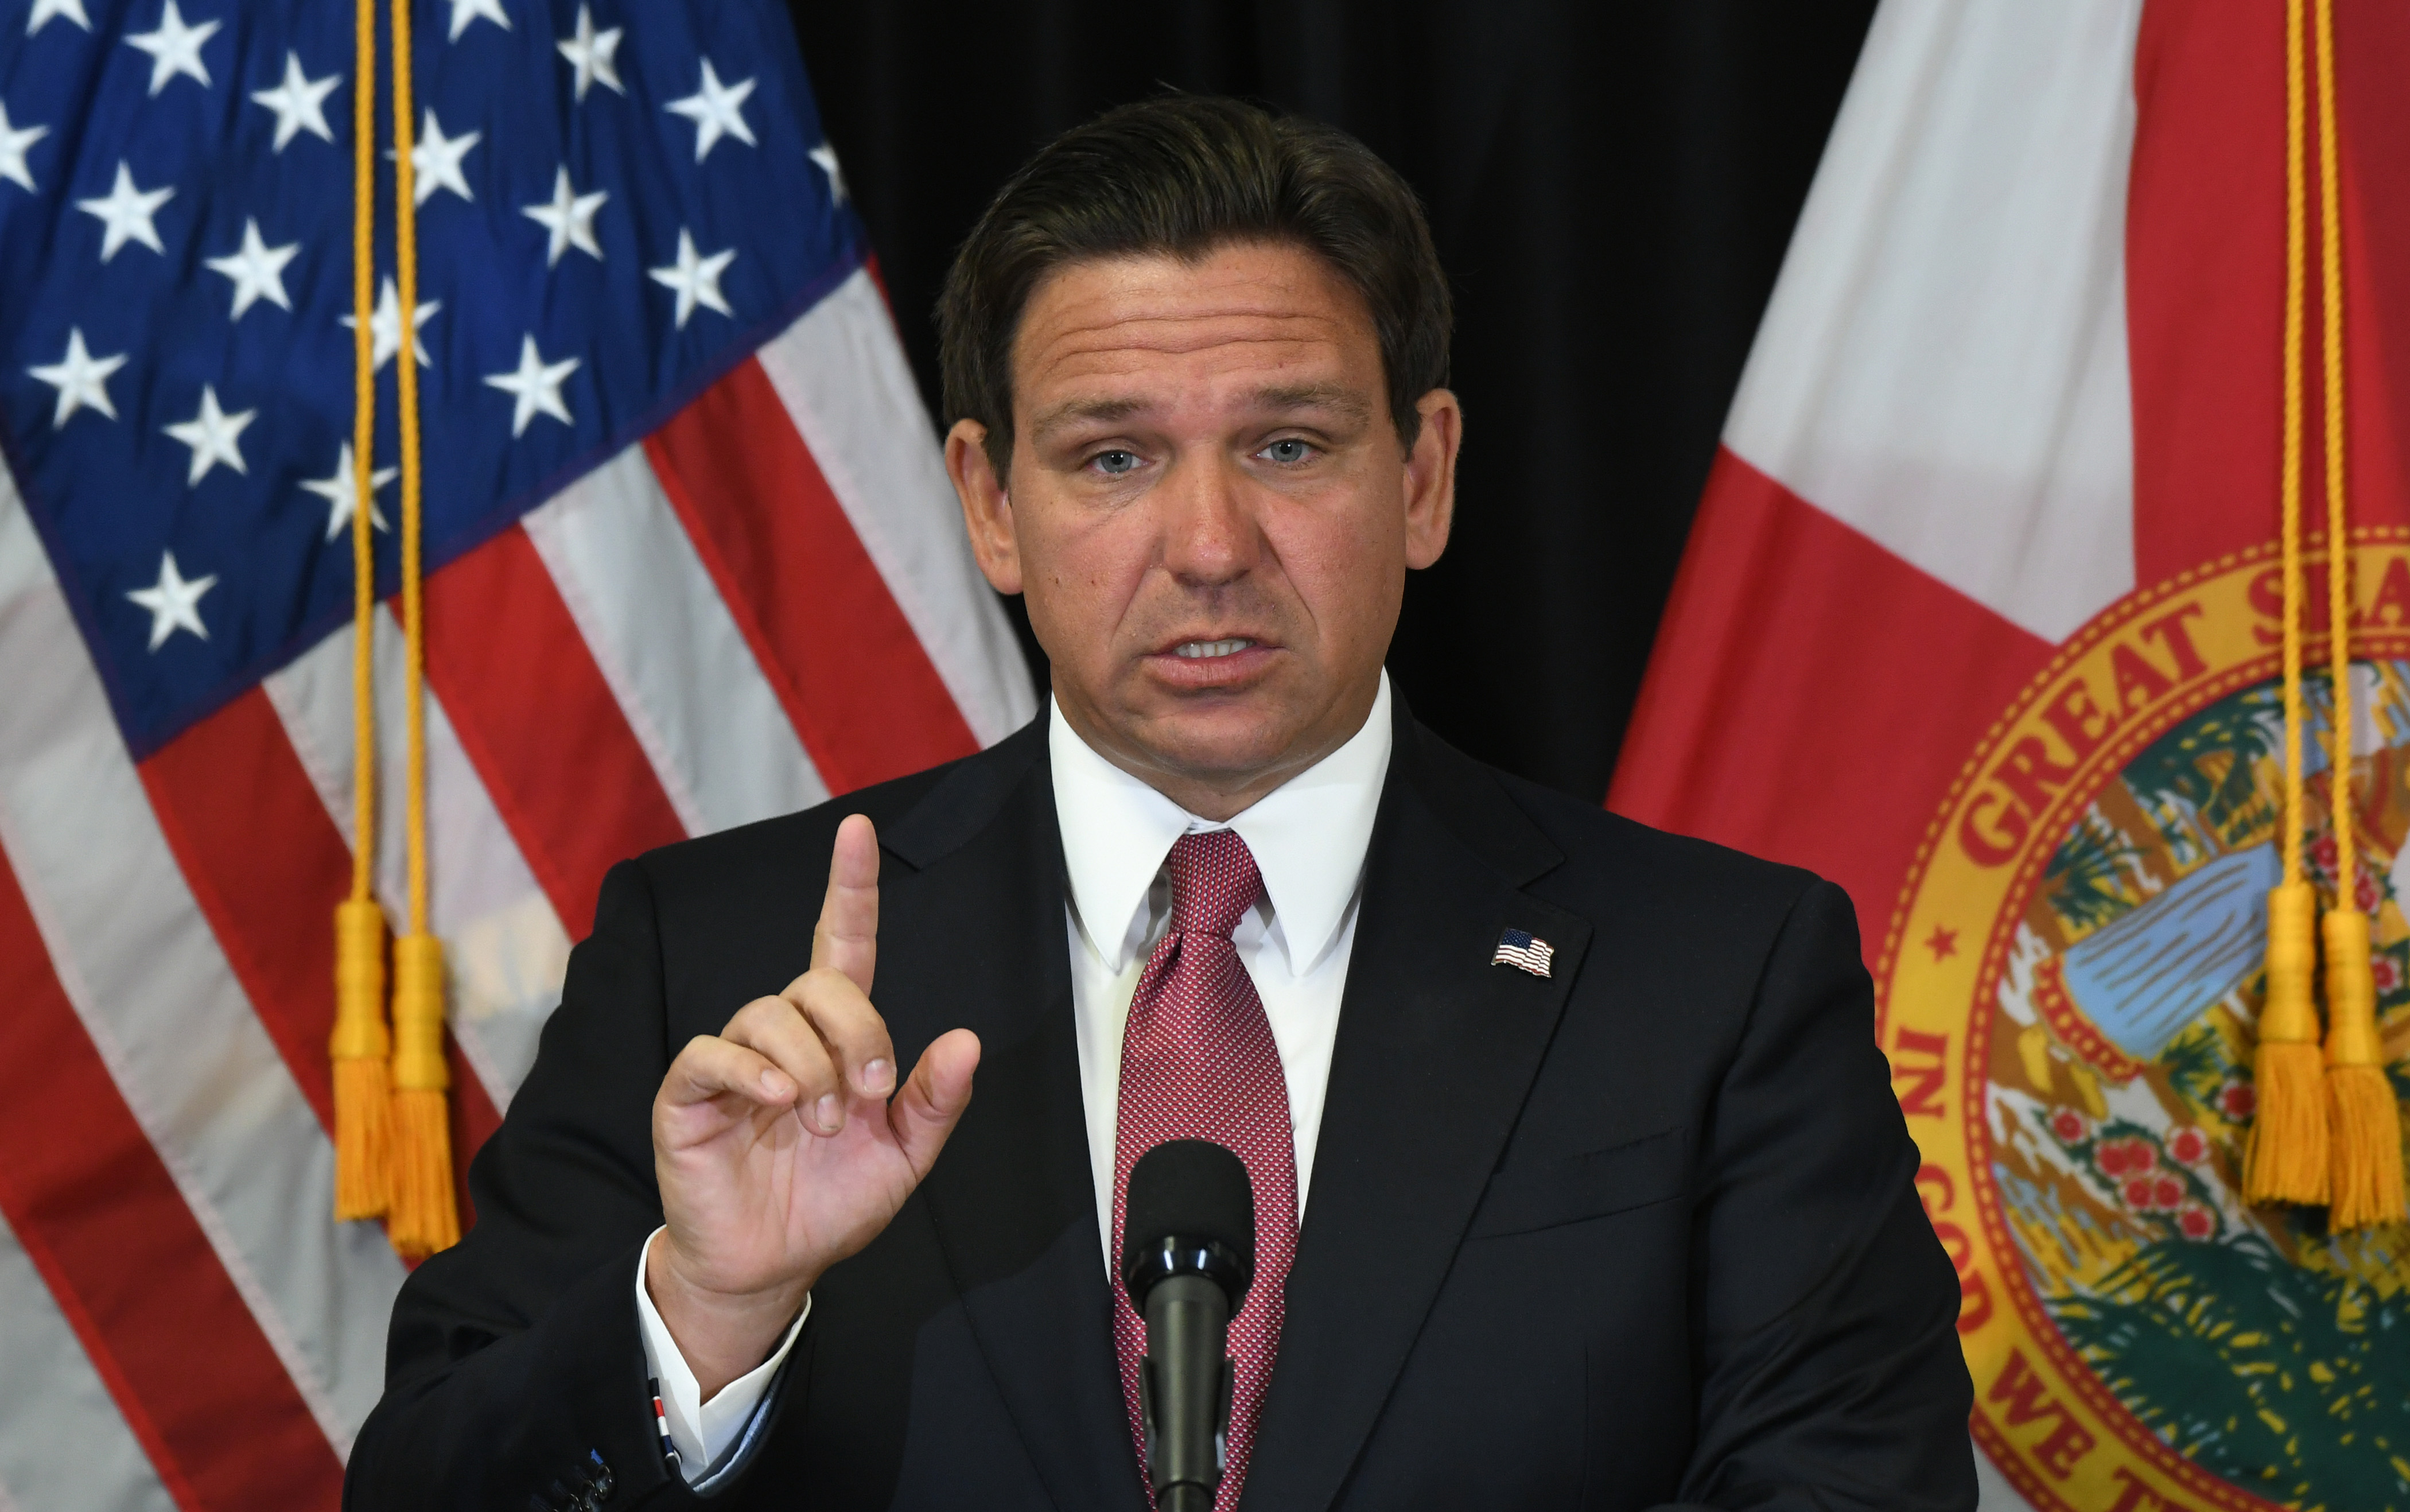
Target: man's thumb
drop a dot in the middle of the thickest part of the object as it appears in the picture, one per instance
(931, 1101)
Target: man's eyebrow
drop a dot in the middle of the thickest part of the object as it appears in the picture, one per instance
(1343, 401)
(1092, 410)
(1335, 398)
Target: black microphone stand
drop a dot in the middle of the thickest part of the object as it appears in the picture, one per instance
(1188, 1260)
(1185, 1383)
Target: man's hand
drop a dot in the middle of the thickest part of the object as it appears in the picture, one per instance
(777, 1145)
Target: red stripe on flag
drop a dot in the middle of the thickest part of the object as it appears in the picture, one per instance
(2205, 284)
(2369, 70)
(265, 863)
(2205, 280)
(268, 866)
(132, 1272)
(862, 694)
(1811, 696)
(541, 725)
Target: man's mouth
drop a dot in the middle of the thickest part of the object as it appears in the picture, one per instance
(1202, 650)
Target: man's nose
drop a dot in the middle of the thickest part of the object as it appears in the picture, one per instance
(1210, 533)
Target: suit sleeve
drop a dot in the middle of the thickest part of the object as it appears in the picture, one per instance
(1826, 1333)
(515, 1370)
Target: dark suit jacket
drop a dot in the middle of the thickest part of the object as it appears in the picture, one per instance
(1641, 1234)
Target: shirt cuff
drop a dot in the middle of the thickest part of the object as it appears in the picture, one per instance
(700, 1431)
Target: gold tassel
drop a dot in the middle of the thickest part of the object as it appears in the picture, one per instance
(360, 1046)
(424, 1217)
(2287, 1161)
(2365, 1117)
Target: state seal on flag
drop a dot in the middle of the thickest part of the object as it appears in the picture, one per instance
(2069, 991)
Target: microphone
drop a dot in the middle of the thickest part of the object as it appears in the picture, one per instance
(1188, 1255)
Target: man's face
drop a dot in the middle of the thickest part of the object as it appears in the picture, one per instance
(1209, 511)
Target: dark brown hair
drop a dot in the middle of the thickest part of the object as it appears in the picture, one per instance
(1185, 174)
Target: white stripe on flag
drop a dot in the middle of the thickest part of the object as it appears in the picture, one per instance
(684, 677)
(1943, 363)
(153, 988)
(840, 373)
(68, 1445)
(503, 947)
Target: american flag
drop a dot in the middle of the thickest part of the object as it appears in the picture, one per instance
(1518, 948)
(692, 558)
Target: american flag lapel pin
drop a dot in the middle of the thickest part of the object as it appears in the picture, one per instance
(1524, 950)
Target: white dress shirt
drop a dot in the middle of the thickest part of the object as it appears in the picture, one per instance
(1308, 836)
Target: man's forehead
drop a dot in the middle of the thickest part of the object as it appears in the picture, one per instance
(1263, 324)
(1242, 276)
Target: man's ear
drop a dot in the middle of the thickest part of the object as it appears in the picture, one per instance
(1430, 477)
(987, 509)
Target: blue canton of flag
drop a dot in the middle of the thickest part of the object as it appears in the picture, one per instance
(615, 203)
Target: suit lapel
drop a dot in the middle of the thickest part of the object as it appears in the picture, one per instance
(1012, 1197)
(1436, 1050)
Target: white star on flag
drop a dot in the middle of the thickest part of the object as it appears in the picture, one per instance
(257, 270)
(126, 213)
(590, 54)
(299, 102)
(175, 48)
(385, 326)
(695, 279)
(80, 378)
(13, 142)
(465, 12)
(825, 156)
(174, 604)
(340, 490)
(536, 385)
(716, 110)
(214, 436)
(435, 161)
(570, 218)
(46, 10)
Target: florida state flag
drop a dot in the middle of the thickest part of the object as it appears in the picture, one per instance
(1984, 616)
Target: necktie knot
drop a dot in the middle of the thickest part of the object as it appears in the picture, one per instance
(1214, 882)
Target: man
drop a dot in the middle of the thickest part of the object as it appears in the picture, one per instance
(1579, 1180)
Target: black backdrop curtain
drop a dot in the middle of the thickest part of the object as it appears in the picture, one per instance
(1611, 188)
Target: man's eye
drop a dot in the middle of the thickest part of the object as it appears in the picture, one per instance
(1114, 464)
(1289, 453)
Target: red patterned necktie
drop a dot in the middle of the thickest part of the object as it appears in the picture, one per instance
(1198, 1063)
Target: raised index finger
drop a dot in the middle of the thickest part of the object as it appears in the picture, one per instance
(847, 937)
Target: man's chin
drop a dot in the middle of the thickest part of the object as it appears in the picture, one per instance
(1223, 740)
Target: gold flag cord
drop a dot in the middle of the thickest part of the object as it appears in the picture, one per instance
(2364, 1148)
(424, 1217)
(361, 1044)
(393, 1140)
(2327, 1129)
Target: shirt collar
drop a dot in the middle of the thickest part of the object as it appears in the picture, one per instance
(1308, 836)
